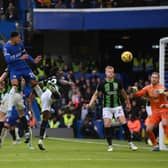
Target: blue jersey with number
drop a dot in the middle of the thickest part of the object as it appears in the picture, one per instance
(13, 54)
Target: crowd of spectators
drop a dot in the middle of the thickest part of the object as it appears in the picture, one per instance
(97, 3)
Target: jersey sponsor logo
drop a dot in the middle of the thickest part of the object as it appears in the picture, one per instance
(17, 55)
(111, 93)
(115, 85)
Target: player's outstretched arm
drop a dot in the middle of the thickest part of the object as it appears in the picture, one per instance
(65, 82)
(138, 93)
(93, 99)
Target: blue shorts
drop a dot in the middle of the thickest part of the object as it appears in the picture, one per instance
(26, 74)
(12, 118)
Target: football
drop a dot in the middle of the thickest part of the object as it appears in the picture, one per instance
(126, 56)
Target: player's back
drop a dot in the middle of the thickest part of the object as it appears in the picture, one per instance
(13, 54)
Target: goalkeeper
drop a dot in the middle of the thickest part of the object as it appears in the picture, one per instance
(158, 100)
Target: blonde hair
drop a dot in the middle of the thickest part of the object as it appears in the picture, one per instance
(109, 67)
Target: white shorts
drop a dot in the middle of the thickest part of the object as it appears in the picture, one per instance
(110, 112)
(46, 101)
(18, 101)
(4, 103)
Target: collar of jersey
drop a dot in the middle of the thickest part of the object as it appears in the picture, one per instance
(110, 81)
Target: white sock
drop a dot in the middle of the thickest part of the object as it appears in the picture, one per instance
(17, 133)
(4, 133)
(40, 141)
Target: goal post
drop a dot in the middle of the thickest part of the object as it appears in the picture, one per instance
(163, 70)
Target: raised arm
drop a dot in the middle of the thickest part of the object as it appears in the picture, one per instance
(93, 99)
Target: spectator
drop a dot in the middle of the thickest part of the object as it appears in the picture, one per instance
(70, 76)
(138, 67)
(88, 129)
(108, 3)
(87, 94)
(54, 122)
(149, 66)
(84, 112)
(84, 4)
(66, 68)
(142, 114)
(53, 3)
(135, 109)
(60, 63)
(134, 126)
(1, 8)
(45, 3)
(76, 96)
(93, 84)
(11, 12)
(72, 4)
(60, 4)
(68, 119)
(32, 121)
(76, 66)
(95, 3)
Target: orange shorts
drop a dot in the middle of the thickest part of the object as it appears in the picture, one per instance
(155, 118)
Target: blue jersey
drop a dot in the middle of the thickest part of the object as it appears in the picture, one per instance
(13, 54)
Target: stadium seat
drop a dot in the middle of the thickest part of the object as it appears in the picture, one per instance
(101, 75)
(88, 75)
(77, 75)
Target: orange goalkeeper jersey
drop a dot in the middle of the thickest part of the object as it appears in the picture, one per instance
(155, 98)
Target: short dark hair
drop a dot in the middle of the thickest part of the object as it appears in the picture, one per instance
(156, 73)
(14, 34)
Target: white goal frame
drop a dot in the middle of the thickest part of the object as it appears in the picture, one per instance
(163, 42)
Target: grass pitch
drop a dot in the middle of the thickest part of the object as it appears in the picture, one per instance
(76, 153)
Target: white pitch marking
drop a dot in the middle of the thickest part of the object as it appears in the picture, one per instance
(84, 159)
(90, 142)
